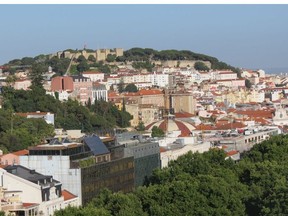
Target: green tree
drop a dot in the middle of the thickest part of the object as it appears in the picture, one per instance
(73, 70)
(201, 66)
(27, 61)
(59, 65)
(10, 80)
(83, 66)
(140, 126)
(110, 58)
(119, 203)
(131, 87)
(120, 86)
(81, 59)
(248, 84)
(91, 58)
(157, 132)
(36, 74)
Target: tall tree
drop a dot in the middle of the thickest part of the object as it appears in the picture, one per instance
(131, 87)
(36, 74)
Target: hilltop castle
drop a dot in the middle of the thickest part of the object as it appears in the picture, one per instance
(99, 54)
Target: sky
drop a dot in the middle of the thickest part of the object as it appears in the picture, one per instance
(247, 36)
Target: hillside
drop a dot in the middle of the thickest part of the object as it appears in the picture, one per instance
(140, 58)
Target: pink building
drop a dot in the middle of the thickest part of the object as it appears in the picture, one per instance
(82, 88)
(12, 158)
(232, 83)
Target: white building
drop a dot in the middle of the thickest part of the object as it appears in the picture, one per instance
(173, 153)
(47, 116)
(57, 165)
(35, 187)
(94, 76)
(225, 75)
(160, 79)
(62, 95)
(99, 92)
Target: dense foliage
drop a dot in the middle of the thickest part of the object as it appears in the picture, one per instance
(141, 57)
(131, 87)
(157, 132)
(207, 184)
(68, 115)
(201, 66)
(147, 55)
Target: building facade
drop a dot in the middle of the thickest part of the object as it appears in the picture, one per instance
(35, 187)
(83, 168)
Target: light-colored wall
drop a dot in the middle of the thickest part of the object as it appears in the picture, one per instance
(99, 95)
(82, 91)
(173, 154)
(12, 182)
(31, 192)
(59, 168)
(157, 99)
(94, 76)
(185, 103)
(22, 84)
(133, 110)
(9, 159)
(182, 63)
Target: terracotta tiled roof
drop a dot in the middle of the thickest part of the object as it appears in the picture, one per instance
(92, 72)
(228, 126)
(256, 113)
(205, 127)
(67, 195)
(112, 94)
(221, 104)
(173, 125)
(27, 205)
(162, 149)
(183, 115)
(230, 153)
(21, 152)
(150, 92)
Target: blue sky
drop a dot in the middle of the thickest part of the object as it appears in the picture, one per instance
(250, 36)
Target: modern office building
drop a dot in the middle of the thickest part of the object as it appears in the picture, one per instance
(145, 152)
(84, 168)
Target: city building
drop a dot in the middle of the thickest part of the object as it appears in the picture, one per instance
(47, 116)
(83, 168)
(60, 84)
(145, 152)
(34, 187)
(82, 89)
(12, 158)
(94, 75)
(99, 92)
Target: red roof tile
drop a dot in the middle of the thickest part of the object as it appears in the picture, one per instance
(27, 205)
(150, 92)
(234, 125)
(204, 127)
(67, 195)
(233, 152)
(21, 152)
(183, 115)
